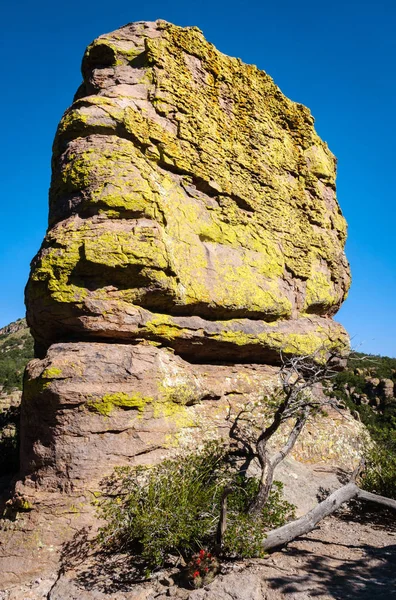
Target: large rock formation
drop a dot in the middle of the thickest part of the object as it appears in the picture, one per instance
(194, 234)
(191, 204)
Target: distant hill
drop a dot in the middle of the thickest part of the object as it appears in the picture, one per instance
(368, 388)
(16, 349)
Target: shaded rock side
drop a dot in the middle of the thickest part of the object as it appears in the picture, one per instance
(191, 204)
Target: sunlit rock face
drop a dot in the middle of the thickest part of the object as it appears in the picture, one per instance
(192, 205)
(194, 236)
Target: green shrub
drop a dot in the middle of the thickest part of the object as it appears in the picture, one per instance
(174, 508)
(9, 440)
(244, 534)
(379, 475)
(171, 507)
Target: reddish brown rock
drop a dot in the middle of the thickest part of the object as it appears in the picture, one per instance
(91, 406)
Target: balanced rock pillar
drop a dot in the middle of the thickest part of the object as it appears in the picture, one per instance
(194, 235)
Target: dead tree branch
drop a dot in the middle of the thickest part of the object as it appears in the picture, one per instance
(287, 533)
(298, 377)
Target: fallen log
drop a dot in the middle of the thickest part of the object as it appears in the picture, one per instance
(289, 532)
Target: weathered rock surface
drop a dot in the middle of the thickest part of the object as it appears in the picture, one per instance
(191, 203)
(194, 235)
(96, 405)
(90, 406)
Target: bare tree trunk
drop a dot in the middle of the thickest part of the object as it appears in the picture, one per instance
(222, 525)
(281, 536)
(268, 464)
(266, 480)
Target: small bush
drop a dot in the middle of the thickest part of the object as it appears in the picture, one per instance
(174, 508)
(169, 508)
(244, 534)
(379, 475)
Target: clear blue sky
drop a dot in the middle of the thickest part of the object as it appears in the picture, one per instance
(336, 57)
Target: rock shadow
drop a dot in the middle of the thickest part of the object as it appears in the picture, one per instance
(371, 576)
(362, 512)
(101, 571)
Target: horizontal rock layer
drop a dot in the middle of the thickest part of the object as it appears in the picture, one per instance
(195, 338)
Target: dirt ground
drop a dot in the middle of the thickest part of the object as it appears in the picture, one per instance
(346, 557)
(351, 555)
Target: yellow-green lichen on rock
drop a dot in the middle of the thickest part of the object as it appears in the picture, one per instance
(186, 184)
(170, 405)
(108, 402)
